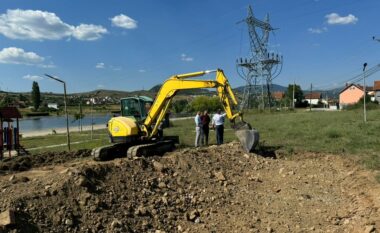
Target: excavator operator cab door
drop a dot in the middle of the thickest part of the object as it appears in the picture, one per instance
(136, 107)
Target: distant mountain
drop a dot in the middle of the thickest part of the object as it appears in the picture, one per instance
(331, 94)
(115, 94)
(275, 87)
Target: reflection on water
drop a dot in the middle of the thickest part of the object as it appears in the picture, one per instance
(28, 124)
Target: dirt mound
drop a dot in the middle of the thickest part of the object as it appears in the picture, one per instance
(215, 189)
(26, 162)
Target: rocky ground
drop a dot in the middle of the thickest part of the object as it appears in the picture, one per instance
(214, 189)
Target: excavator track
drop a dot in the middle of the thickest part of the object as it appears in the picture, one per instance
(104, 153)
(156, 148)
(133, 150)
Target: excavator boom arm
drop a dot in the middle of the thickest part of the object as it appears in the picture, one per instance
(181, 82)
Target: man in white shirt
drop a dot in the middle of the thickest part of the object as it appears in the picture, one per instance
(218, 124)
(198, 129)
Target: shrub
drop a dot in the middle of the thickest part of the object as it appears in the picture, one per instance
(201, 103)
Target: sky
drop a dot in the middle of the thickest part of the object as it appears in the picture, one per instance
(135, 44)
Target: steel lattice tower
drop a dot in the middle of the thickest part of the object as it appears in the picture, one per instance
(262, 67)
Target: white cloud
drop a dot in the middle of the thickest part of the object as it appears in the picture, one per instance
(335, 18)
(142, 71)
(89, 32)
(100, 86)
(184, 57)
(13, 55)
(100, 65)
(123, 21)
(317, 30)
(43, 25)
(32, 77)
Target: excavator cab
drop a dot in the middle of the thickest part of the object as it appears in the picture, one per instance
(136, 107)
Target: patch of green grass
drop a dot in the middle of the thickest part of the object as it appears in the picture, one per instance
(339, 132)
(58, 142)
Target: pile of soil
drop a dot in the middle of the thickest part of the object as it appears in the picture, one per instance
(213, 189)
(26, 162)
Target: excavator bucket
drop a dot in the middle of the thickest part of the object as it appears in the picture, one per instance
(248, 137)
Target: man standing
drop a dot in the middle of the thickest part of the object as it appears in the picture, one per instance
(198, 129)
(205, 119)
(218, 123)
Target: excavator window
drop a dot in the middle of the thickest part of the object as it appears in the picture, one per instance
(135, 107)
(130, 107)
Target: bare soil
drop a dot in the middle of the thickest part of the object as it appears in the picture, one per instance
(213, 189)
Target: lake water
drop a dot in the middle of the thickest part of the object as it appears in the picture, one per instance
(28, 124)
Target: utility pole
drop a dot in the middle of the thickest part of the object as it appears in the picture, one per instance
(311, 93)
(365, 94)
(80, 114)
(294, 84)
(65, 102)
(92, 113)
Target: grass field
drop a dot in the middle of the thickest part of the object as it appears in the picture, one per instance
(340, 132)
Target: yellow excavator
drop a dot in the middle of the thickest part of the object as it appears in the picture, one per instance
(137, 131)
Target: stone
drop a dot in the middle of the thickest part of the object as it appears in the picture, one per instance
(69, 222)
(220, 176)
(281, 171)
(161, 185)
(369, 229)
(12, 177)
(164, 200)
(141, 211)
(158, 166)
(82, 181)
(116, 223)
(193, 215)
(7, 218)
(246, 156)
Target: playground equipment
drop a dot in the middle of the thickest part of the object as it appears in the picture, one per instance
(9, 135)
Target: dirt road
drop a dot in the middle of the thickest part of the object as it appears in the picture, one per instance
(214, 189)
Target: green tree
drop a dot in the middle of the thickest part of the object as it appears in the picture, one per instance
(180, 105)
(298, 94)
(201, 103)
(36, 95)
(6, 100)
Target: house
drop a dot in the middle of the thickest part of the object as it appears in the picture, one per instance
(278, 95)
(53, 106)
(376, 90)
(314, 98)
(352, 93)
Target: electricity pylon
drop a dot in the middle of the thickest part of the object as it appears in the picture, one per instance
(262, 67)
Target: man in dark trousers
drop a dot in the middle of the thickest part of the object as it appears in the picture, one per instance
(218, 123)
(205, 119)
